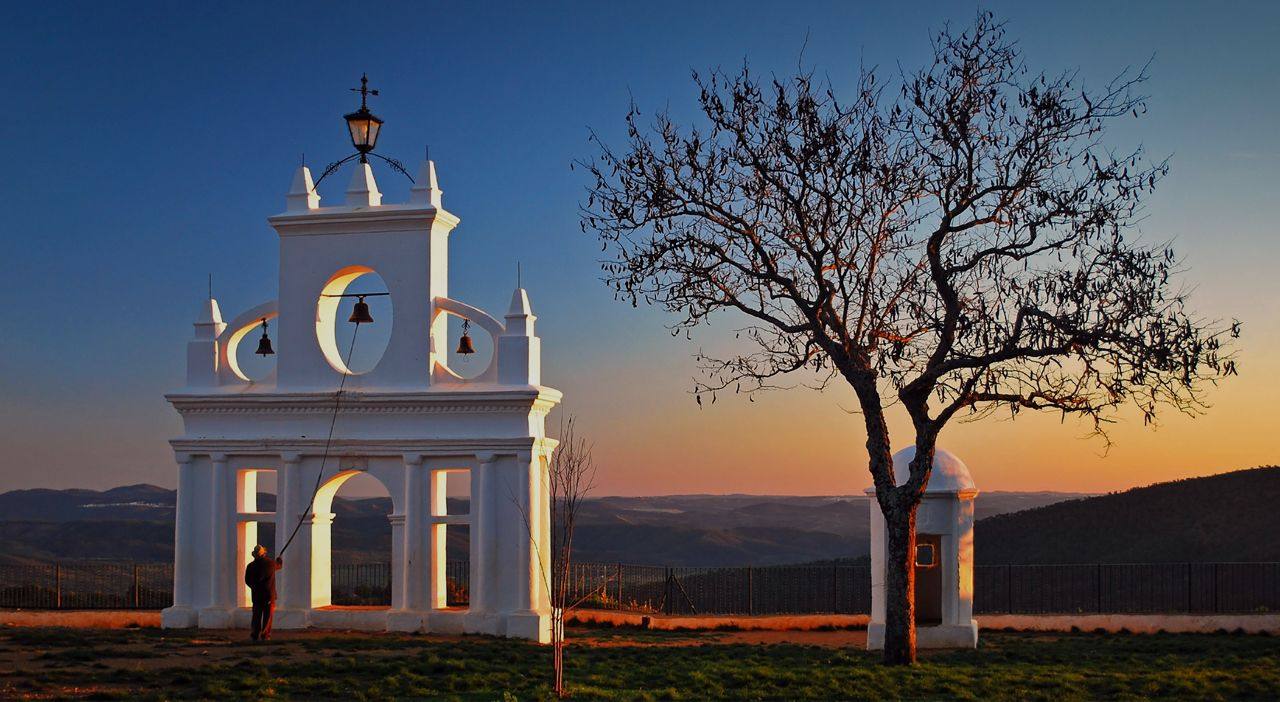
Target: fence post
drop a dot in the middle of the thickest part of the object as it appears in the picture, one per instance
(666, 596)
(1215, 588)
(619, 572)
(1188, 588)
(835, 603)
(137, 597)
(57, 586)
(1098, 586)
(1008, 588)
(751, 592)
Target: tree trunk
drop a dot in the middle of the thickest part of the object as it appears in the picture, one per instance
(557, 651)
(900, 580)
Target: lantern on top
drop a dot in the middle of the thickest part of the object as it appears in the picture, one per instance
(363, 124)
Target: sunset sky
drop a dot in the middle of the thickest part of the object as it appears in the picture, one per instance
(146, 147)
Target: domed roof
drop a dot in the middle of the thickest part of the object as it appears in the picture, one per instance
(950, 474)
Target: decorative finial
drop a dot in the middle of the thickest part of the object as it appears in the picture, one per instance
(364, 91)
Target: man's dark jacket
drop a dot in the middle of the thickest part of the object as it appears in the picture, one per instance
(260, 576)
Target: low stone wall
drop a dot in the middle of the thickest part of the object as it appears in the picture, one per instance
(773, 622)
(1135, 623)
(81, 619)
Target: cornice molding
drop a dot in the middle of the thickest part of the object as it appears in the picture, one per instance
(395, 448)
(536, 402)
(346, 220)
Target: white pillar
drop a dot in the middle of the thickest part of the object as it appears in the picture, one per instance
(222, 569)
(483, 569)
(320, 528)
(398, 565)
(220, 555)
(182, 613)
(528, 521)
(519, 543)
(542, 508)
(294, 581)
(415, 558)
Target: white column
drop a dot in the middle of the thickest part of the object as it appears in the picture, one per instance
(964, 558)
(415, 559)
(184, 546)
(541, 498)
(531, 523)
(398, 566)
(294, 582)
(223, 525)
(320, 528)
(482, 566)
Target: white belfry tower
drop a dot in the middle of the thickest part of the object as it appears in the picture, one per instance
(408, 422)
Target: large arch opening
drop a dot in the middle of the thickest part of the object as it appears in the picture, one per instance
(359, 566)
(335, 333)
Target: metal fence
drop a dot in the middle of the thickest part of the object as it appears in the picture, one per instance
(87, 585)
(1127, 588)
(744, 590)
(369, 584)
(798, 589)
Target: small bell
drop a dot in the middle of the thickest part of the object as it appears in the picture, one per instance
(464, 344)
(360, 313)
(264, 344)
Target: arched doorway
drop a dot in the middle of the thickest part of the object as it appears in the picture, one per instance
(358, 563)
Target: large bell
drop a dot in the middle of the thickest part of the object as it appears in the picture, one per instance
(264, 344)
(360, 313)
(465, 347)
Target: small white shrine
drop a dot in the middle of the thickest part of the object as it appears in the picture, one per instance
(943, 558)
(408, 422)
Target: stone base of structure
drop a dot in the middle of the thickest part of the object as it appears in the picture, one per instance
(941, 636)
(533, 626)
(178, 618)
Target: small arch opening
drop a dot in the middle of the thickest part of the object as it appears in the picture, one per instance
(242, 357)
(468, 366)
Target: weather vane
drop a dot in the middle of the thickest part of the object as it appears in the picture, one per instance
(364, 128)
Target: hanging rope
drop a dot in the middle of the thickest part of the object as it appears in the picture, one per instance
(337, 402)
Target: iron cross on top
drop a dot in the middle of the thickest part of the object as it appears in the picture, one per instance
(364, 90)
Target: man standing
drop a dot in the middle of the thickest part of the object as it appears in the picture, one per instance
(260, 576)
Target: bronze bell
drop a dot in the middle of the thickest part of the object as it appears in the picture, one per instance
(264, 344)
(360, 313)
(464, 344)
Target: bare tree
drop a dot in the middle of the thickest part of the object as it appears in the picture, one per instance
(569, 478)
(959, 243)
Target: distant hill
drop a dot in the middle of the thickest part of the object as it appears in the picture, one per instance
(128, 503)
(136, 523)
(1227, 517)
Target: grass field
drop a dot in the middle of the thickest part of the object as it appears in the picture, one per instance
(627, 665)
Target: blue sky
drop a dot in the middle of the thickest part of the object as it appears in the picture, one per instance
(148, 143)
